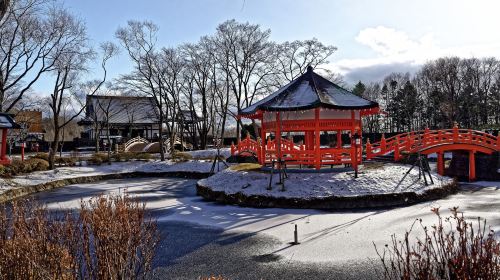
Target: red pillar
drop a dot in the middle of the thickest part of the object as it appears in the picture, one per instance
(3, 151)
(396, 148)
(339, 139)
(317, 145)
(309, 140)
(440, 163)
(262, 156)
(472, 166)
(278, 135)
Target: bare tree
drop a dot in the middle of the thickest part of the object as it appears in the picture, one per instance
(293, 58)
(109, 108)
(4, 4)
(248, 53)
(139, 40)
(170, 78)
(73, 55)
(31, 39)
(200, 64)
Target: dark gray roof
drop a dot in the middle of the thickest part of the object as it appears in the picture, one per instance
(121, 109)
(6, 121)
(308, 91)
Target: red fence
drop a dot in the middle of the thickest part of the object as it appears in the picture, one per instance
(427, 139)
(296, 154)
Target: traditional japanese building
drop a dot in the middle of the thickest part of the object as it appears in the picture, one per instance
(309, 106)
(127, 117)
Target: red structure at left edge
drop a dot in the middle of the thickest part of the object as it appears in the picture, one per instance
(6, 123)
(308, 106)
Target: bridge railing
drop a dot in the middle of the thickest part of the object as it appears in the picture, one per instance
(419, 140)
(246, 145)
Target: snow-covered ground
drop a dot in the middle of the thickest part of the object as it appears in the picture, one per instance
(36, 178)
(387, 178)
(325, 236)
(210, 153)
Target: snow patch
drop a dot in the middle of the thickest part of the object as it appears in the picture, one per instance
(382, 180)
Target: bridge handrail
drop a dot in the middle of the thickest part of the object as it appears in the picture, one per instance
(428, 138)
(135, 140)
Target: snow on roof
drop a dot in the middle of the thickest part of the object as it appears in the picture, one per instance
(6, 121)
(308, 91)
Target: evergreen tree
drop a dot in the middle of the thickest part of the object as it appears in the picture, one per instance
(359, 89)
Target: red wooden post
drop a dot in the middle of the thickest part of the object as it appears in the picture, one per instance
(278, 136)
(472, 166)
(3, 151)
(259, 152)
(382, 145)
(263, 139)
(22, 151)
(396, 148)
(339, 139)
(408, 143)
(440, 163)
(368, 149)
(317, 146)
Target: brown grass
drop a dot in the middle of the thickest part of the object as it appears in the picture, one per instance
(451, 249)
(246, 167)
(109, 238)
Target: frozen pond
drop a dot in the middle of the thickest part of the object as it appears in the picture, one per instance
(203, 238)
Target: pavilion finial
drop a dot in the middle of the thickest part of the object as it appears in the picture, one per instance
(309, 68)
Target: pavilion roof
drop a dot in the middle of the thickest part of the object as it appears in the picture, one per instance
(6, 121)
(309, 91)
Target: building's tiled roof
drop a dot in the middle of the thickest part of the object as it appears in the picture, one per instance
(121, 109)
(308, 91)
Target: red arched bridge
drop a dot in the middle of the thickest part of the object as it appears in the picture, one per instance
(437, 141)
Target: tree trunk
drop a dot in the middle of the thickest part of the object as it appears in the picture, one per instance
(160, 135)
(109, 144)
(54, 147)
(96, 138)
(2, 92)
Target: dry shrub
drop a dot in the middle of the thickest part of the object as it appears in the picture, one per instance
(118, 239)
(98, 159)
(17, 167)
(44, 156)
(110, 238)
(127, 156)
(66, 161)
(181, 157)
(452, 249)
(143, 156)
(30, 246)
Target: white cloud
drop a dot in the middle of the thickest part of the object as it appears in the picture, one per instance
(391, 42)
(396, 48)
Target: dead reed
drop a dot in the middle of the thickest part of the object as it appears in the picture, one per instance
(451, 249)
(108, 238)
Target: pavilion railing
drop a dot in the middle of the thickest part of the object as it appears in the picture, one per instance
(309, 125)
(297, 154)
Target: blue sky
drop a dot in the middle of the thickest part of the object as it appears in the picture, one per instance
(373, 37)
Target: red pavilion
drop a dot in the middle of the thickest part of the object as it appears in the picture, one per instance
(305, 108)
